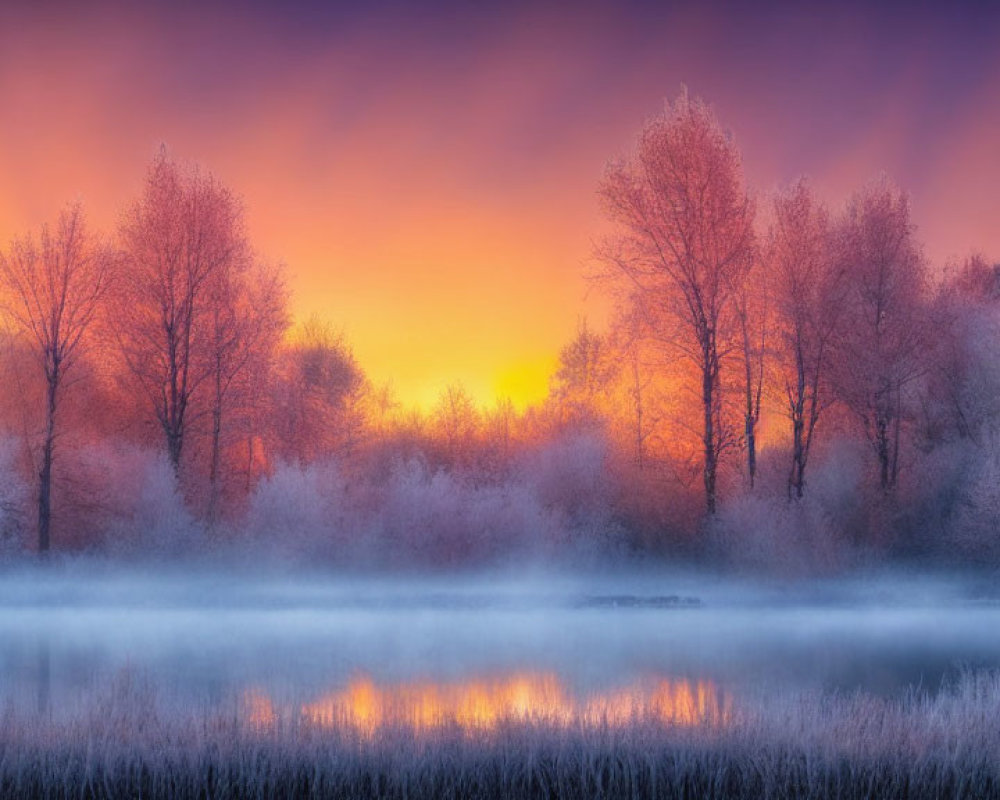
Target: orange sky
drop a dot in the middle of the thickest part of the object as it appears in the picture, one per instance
(428, 176)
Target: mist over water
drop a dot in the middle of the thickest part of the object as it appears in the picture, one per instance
(206, 637)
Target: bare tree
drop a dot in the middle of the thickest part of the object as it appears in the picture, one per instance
(248, 318)
(752, 313)
(52, 294)
(880, 344)
(684, 240)
(183, 232)
(807, 294)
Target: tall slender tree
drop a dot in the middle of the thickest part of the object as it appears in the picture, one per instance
(880, 345)
(180, 237)
(684, 239)
(752, 312)
(807, 292)
(248, 316)
(52, 292)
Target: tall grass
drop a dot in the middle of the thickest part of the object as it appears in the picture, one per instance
(791, 746)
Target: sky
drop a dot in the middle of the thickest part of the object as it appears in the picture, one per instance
(428, 171)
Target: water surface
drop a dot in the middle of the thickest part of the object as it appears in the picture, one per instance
(332, 648)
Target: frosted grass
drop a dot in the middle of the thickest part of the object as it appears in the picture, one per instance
(123, 743)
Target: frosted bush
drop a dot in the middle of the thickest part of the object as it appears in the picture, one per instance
(299, 509)
(439, 518)
(413, 515)
(777, 535)
(571, 474)
(143, 503)
(975, 531)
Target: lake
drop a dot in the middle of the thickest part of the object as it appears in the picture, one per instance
(363, 651)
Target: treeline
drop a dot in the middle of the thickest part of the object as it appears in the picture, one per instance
(157, 398)
(781, 383)
(793, 352)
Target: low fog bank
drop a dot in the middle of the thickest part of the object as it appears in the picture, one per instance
(211, 633)
(95, 580)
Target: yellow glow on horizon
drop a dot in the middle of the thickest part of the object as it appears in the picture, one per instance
(525, 383)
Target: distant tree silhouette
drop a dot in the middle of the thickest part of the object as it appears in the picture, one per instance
(455, 420)
(500, 422)
(977, 279)
(317, 394)
(627, 341)
(583, 377)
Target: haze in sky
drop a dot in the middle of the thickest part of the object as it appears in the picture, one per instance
(428, 172)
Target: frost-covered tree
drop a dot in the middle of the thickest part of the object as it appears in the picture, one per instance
(882, 339)
(806, 295)
(248, 318)
(180, 237)
(962, 390)
(683, 242)
(52, 290)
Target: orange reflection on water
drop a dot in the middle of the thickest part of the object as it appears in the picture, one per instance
(366, 706)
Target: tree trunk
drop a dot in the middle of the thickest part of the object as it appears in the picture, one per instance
(796, 480)
(749, 416)
(213, 470)
(637, 397)
(45, 475)
(897, 418)
(175, 441)
(45, 495)
(708, 438)
(175, 403)
(882, 448)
